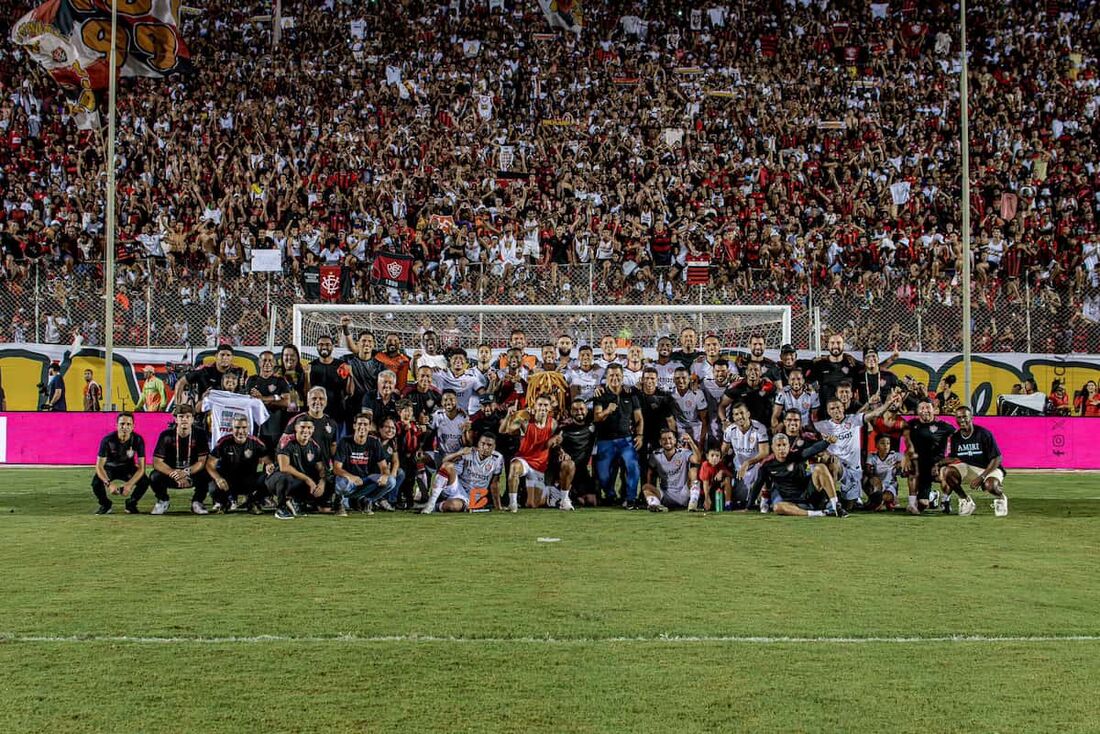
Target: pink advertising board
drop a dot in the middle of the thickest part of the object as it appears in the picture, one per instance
(67, 438)
(73, 438)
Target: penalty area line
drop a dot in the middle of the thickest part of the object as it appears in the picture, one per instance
(432, 639)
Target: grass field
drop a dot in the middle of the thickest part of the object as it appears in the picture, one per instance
(633, 622)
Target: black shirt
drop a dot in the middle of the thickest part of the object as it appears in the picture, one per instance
(829, 374)
(324, 434)
(929, 440)
(482, 423)
(789, 480)
(656, 410)
(760, 400)
(880, 383)
(578, 439)
(180, 452)
(620, 423)
(424, 403)
(380, 410)
(360, 459)
(364, 373)
(121, 454)
(328, 377)
(305, 459)
(238, 458)
(56, 383)
(270, 387)
(977, 449)
(209, 378)
(685, 358)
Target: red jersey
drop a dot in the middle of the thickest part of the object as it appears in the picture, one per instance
(534, 446)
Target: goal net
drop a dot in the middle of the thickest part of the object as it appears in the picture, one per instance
(468, 327)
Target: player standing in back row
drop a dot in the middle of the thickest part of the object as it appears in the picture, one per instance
(974, 460)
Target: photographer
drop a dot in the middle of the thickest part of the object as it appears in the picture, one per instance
(53, 391)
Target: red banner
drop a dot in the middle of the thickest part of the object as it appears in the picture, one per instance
(393, 270)
(330, 282)
(698, 269)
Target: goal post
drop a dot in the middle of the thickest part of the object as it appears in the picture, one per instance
(472, 325)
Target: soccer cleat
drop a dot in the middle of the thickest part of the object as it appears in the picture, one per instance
(566, 503)
(385, 506)
(161, 507)
(967, 507)
(835, 511)
(658, 508)
(283, 514)
(628, 505)
(513, 507)
(1000, 506)
(132, 508)
(216, 509)
(693, 504)
(104, 510)
(233, 506)
(197, 508)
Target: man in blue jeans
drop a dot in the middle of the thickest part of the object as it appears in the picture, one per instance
(364, 470)
(619, 431)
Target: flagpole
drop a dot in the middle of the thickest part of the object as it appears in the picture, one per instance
(109, 271)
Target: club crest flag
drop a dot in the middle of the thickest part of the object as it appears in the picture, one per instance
(330, 281)
(393, 270)
(71, 39)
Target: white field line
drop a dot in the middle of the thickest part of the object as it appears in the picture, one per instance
(430, 639)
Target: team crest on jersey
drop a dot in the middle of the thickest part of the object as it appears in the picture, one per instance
(271, 388)
(328, 428)
(309, 456)
(129, 453)
(933, 429)
(248, 453)
(844, 370)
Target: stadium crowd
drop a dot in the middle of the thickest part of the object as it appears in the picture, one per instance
(560, 425)
(796, 144)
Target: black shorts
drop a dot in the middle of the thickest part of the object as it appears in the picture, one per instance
(811, 499)
(925, 477)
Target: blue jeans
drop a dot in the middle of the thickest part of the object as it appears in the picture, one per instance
(606, 453)
(375, 487)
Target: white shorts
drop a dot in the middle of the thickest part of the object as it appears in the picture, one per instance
(455, 491)
(535, 479)
(851, 483)
(676, 497)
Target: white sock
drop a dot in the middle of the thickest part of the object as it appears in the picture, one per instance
(513, 499)
(832, 502)
(438, 485)
(693, 493)
(651, 500)
(912, 502)
(816, 513)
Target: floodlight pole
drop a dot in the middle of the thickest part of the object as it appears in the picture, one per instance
(109, 271)
(277, 24)
(965, 113)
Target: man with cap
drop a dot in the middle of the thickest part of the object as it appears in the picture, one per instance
(153, 397)
(780, 373)
(875, 380)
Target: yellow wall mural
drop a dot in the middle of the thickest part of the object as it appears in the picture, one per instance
(22, 368)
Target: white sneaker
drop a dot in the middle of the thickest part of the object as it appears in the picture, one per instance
(967, 507)
(764, 506)
(197, 508)
(425, 508)
(160, 507)
(216, 508)
(1000, 506)
(513, 507)
(292, 507)
(566, 503)
(693, 504)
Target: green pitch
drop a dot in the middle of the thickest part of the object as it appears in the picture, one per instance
(564, 637)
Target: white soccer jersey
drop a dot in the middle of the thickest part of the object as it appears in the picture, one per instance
(224, 406)
(585, 382)
(665, 372)
(632, 378)
(848, 437)
(603, 364)
(744, 445)
(465, 385)
(448, 431)
(805, 403)
(477, 473)
(886, 469)
(688, 406)
(672, 474)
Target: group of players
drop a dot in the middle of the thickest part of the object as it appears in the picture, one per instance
(431, 432)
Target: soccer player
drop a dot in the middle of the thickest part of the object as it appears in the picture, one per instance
(789, 480)
(363, 473)
(746, 442)
(691, 406)
(538, 433)
(795, 396)
(468, 471)
(756, 356)
(687, 353)
(926, 440)
(665, 365)
(632, 369)
(238, 464)
(609, 352)
(301, 474)
(620, 430)
(754, 391)
(120, 466)
(578, 439)
(882, 473)
(673, 476)
(448, 427)
(459, 378)
(179, 462)
(93, 394)
(844, 434)
(658, 412)
(974, 461)
(714, 387)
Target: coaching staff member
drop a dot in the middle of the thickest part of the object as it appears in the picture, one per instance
(121, 458)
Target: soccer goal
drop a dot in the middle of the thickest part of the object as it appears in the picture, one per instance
(469, 326)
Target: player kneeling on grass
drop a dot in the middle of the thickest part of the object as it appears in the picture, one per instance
(882, 476)
(234, 466)
(790, 481)
(673, 475)
(365, 472)
(120, 466)
(179, 462)
(467, 471)
(301, 473)
(974, 460)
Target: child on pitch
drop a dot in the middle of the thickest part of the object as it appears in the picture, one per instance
(713, 475)
(882, 475)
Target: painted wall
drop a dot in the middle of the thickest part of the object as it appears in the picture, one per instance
(23, 366)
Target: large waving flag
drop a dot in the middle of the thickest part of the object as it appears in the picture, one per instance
(71, 39)
(564, 14)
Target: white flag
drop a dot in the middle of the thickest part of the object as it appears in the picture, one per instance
(900, 192)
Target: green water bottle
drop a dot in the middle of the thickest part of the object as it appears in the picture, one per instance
(719, 500)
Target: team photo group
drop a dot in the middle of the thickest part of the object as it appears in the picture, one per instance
(555, 425)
